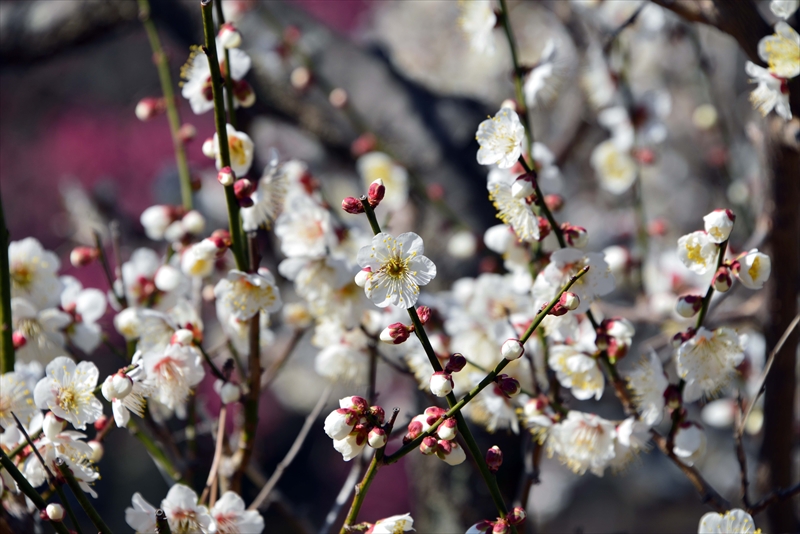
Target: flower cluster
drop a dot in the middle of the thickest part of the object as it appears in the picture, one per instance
(501, 525)
(443, 444)
(355, 425)
(780, 51)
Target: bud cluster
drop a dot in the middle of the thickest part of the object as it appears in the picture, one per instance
(501, 525)
(171, 223)
(614, 336)
(375, 194)
(354, 425)
(576, 236)
(506, 385)
(441, 382)
(567, 302)
(442, 443)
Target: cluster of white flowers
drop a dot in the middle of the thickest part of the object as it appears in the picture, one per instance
(781, 52)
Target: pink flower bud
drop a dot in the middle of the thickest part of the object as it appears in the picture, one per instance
(433, 414)
(362, 276)
(494, 458)
(395, 333)
(688, 305)
(554, 202)
(722, 279)
(616, 349)
(428, 445)
(576, 236)
(681, 337)
(507, 385)
(672, 397)
(243, 188)
(147, 108)
(516, 516)
(453, 453)
(424, 314)
(182, 337)
(83, 256)
(229, 36)
(414, 430)
(544, 227)
(226, 176)
(377, 438)
(500, 527)
(187, 132)
(18, 339)
(221, 238)
(569, 300)
(376, 192)
(447, 430)
(602, 340)
(338, 98)
(512, 349)
(359, 404)
(481, 526)
(378, 413)
(455, 364)
(441, 384)
(363, 144)
(352, 205)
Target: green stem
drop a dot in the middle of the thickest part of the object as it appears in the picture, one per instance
(160, 59)
(155, 451)
(28, 490)
(543, 205)
(83, 500)
(234, 221)
(68, 507)
(518, 71)
(707, 299)
(162, 524)
(98, 243)
(6, 328)
(228, 80)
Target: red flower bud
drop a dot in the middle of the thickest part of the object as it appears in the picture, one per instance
(554, 202)
(455, 364)
(494, 458)
(243, 188)
(83, 256)
(352, 205)
(424, 314)
(376, 192)
(507, 385)
(18, 339)
(516, 516)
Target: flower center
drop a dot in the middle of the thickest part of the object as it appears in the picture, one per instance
(693, 253)
(396, 267)
(21, 275)
(67, 399)
(237, 150)
(755, 269)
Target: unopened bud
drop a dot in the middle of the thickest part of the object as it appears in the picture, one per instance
(338, 98)
(194, 222)
(378, 413)
(226, 176)
(494, 458)
(18, 339)
(352, 205)
(681, 337)
(187, 132)
(101, 422)
(244, 94)
(377, 438)
(300, 78)
(221, 238)
(358, 404)
(209, 150)
(447, 430)
(376, 192)
(456, 363)
(544, 227)
(362, 276)
(441, 384)
(645, 156)
(569, 300)
(182, 337)
(523, 187)
(576, 236)
(83, 256)
(52, 426)
(414, 430)
(601, 341)
(363, 144)
(507, 385)
(97, 450)
(722, 279)
(54, 512)
(428, 445)
(516, 516)
(229, 36)
(672, 397)
(500, 527)
(454, 454)
(395, 333)
(117, 386)
(512, 349)
(243, 188)
(147, 108)
(424, 314)
(229, 392)
(554, 202)
(688, 305)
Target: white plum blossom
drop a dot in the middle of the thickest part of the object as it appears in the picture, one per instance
(398, 269)
(500, 139)
(708, 360)
(583, 441)
(171, 373)
(718, 225)
(128, 323)
(648, 383)
(240, 150)
(615, 168)
(245, 294)
(197, 76)
(698, 252)
(564, 264)
(396, 524)
(577, 371)
(734, 521)
(142, 516)
(86, 306)
(199, 259)
(631, 437)
(68, 391)
(15, 397)
(147, 282)
(477, 21)
(781, 51)
(34, 273)
(771, 92)
(690, 443)
(536, 87)
(127, 393)
(183, 512)
(784, 8)
(268, 197)
(305, 229)
(42, 330)
(754, 269)
(67, 445)
(380, 166)
(231, 517)
(515, 212)
(350, 446)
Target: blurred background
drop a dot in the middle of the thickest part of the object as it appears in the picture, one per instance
(73, 154)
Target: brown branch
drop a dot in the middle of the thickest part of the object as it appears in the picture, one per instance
(741, 456)
(272, 372)
(772, 498)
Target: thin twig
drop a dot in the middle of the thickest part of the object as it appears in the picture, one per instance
(73, 484)
(613, 37)
(6, 325)
(272, 372)
(772, 498)
(332, 518)
(741, 456)
(214, 471)
(263, 495)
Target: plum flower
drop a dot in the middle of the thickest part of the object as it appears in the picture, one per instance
(183, 512)
(564, 264)
(648, 383)
(477, 21)
(718, 225)
(515, 212)
(577, 371)
(16, 398)
(197, 75)
(379, 166)
(708, 360)
(86, 306)
(33, 272)
(396, 524)
(583, 441)
(240, 150)
(781, 51)
(398, 269)
(615, 169)
(734, 521)
(68, 391)
(697, 252)
(500, 139)
(753, 269)
(231, 517)
(268, 198)
(244, 295)
(171, 373)
(771, 92)
(784, 8)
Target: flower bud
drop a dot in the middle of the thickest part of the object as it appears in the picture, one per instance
(516, 516)
(455, 364)
(722, 279)
(97, 450)
(672, 397)
(229, 36)
(338, 98)
(576, 236)
(357, 404)
(500, 527)
(149, 107)
(494, 458)
(753, 269)
(428, 445)
(243, 93)
(221, 238)
(352, 205)
(507, 385)
(300, 78)
(415, 428)
(554, 202)
(339, 423)
(376, 192)
(523, 187)
(441, 384)
(55, 512)
(210, 151)
(194, 222)
(243, 188)
(447, 430)
(377, 438)
(225, 176)
(18, 339)
(681, 337)
(512, 349)
(395, 333)
(101, 422)
(229, 392)
(688, 305)
(378, 413)
(52, 426)
(424, 314)
(544, 227)
(569, 300)
(602, 340)
(83, 256)
(187, 132)
(117, 386)
(362, 276)
(456, 455)
(363, 144)
(718, 225)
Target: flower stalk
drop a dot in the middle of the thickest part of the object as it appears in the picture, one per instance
(6, 330)
(518, 71)
(66, 472)
(234, 220)
(228, 80)
(173, 116)
(710, 292)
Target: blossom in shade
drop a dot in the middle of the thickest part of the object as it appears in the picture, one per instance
(718, 225)
(500, 139)
(171, 373)
(753, 269)
(142, 516)
(784, 8)
(240, 150)
(197, 76)
(583, 441)
(477, 21)
(16, 398)
(690, 443)
(245, 294)
(698, 252)
(86, 307)
(615, 168)
(231, 517)
(68, 391)
(770, 93)
(42, 331)
(648, 383)
(33, 272)
(515, 212)
(708, 360)
(734, 521)
(577, 371)
(396, 524)
(781, 51)
(397, 269)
